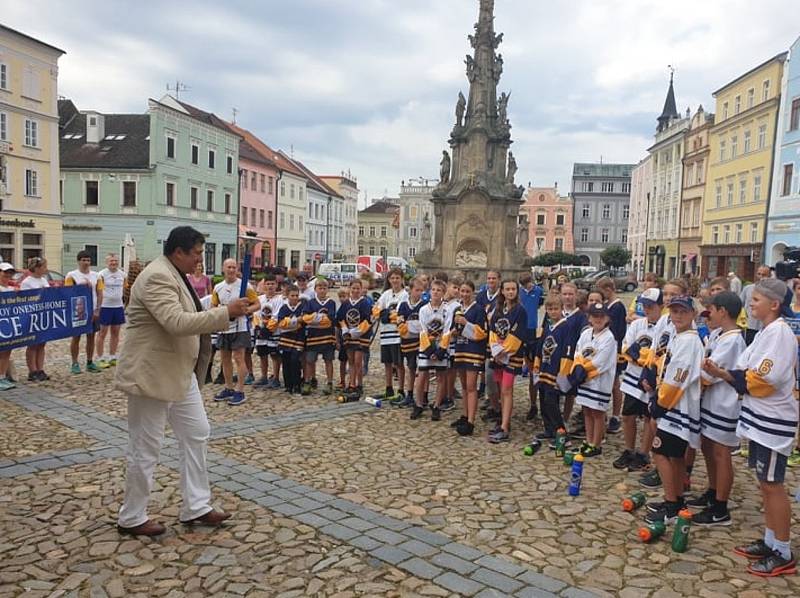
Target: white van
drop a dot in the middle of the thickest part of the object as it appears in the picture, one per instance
(395, 261)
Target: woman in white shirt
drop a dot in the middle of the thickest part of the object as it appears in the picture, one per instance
(34, 354)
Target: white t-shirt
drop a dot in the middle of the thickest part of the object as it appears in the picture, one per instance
(113, 285)
(224, 293)
(76, 277)
(34, 282)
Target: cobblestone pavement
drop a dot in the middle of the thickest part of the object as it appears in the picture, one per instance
(329, 499)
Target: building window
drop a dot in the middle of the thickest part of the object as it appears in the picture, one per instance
(291, 221)
(738, 236)
(729, 195)
(742, 190)
(291, 191)
(794, 118)
(762, 137)
(585, 211)
(252, 216)
(757, 187)
(726, 234)
(269, 218)
(128, 194)
(754, 232)
(584, 235)
(3, 126)
(587, 186)
(747, 144)
(209, 200)
(559, 244)
(412, 232)
(383, 232)
(269, 185)
(724, 110)
(765, 90)
(560, 219)
(718, 196)
(31, 133)
(193, 197)
(699, 172)
(751, 97)
(734, 146)
(244, 216)
(624, 235)
(229, 165)
(604, 235)
(261, 218)
(283, 189)
(721, 150)
(737, 104)
(170, 147)
(263, 182)
(360, 250)
(227, 251)
(283, 221)
(31, 183)
(7, 245)
(92, 193)
(195, 154)
(715, 235)
(371, 250)
(3, 75)
(372, 231)
(539, 243)
(169, 194)
(626, 212)
(412, 252)
(227, 203)
(606, 211)
(626, 187)
(253, 177)
(360, 231)
(211, 258)
(607, 187)
(788, 171)
(540, 219)
(212, 158)
(281, 257)
(92, 249)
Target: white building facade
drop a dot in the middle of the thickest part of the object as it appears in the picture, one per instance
(416, 218)
(641, 188)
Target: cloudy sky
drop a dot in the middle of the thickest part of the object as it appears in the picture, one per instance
(370, 85)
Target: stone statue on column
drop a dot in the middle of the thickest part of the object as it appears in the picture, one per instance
(523, 234)
(461, 107)
(502, 108)
(444, 168)
(512, 169)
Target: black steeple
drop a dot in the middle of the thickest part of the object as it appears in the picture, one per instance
(670, 110)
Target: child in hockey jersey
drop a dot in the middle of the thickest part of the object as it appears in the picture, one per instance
(765, 376)
(319, 313)
(386, 310)
(343, 295)
(266, 339)
(508, 329)
(617, 323)
(637, 349)
(434, 339)
(593, 371)
(719, 410)
(452, 300)
(354, 318)
(470, 333)
(409, 328)
(676, 409)
(550, 362)
(292, 339)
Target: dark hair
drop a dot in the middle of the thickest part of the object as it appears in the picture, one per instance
(394, 271)
(728, 301)
(501, 299)
(269, 278)
(438, 282)
(182, 237)
(357, 281)
(469, 283)
(83, 254)
(441, 276)
(291, 288)
(721, 281)
(525, 279)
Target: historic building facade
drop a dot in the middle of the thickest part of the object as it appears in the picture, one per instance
(601, 208)
(416, 219)
(695, 167)
(377, 230)
(346, 186)
(140, 175)
(741, 143)
(641, 190)
(663, 209)
(783, 228)
(30, 211)
(549, 218)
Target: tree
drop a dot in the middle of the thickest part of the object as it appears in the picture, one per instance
(556, 258)
(615, 257)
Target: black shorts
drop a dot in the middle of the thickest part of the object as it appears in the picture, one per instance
(266, 350)
(234, 341)
(669, 445)
(621, 367)
(633, 406)
(390, 354)
(410, 359)
(342, 354)
(327, 352)
(770, 465)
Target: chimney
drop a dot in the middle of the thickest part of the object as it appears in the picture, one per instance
(95, 127)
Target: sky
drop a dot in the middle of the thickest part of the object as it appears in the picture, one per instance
(370, 86)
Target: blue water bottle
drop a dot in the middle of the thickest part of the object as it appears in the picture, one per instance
(576, 475)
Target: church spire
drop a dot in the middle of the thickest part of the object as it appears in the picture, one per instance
(670, 111)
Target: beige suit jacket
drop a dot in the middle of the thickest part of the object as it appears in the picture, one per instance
(166, 339)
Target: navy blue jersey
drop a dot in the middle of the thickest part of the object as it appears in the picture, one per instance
(355, 320)
(575, 322)
(470, 339)
(408, 325)
(551, 352)
(290, 326)
(318, 317)
(509, 328)
(618, 321)
(486, 300)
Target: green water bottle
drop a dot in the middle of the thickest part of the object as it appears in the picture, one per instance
(634, 501)
(652, 532)
(680, 536)
(568, 457)
(561, 441)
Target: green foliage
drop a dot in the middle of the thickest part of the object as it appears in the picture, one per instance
(556, 258)
(615, 257)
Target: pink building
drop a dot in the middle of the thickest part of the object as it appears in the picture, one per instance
(258, 196)
(549, 221)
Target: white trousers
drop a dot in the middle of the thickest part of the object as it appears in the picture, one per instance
(146, 421)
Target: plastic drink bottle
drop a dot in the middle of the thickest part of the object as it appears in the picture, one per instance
(373, 401)
(561, 439)
(576, 475)
(634, 501)
(652, 532)
(680, 536)
(532, 448)
(568, 457)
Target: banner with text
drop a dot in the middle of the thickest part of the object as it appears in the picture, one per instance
(39, 315)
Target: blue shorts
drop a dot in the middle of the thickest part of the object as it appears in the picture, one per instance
(112, 316)
(769, 465)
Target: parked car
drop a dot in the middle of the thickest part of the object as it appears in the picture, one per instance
(56, 279)
(624, 281)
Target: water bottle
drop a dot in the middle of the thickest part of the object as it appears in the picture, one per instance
(525, 370)
(797, 494)
(532, 448)
(680, 536)
(373, 401)
(561, 440)
(576, 475)
(652, 532)
(634, 501)
(569, 457)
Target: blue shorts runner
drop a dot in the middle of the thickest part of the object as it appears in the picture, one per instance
(112, 316)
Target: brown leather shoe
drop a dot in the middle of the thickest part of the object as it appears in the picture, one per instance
(148, 528)
(213, 518)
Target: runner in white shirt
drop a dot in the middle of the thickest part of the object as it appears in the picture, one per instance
(34, 354)
(112, 311)
(84, 275)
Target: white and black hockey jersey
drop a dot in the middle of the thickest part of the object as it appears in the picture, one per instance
(679, 387)
(596, 355)
(719, 405)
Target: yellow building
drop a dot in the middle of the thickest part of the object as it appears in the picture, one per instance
(30, 210)
(738, 183)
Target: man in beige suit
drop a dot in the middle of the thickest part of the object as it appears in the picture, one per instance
(164, 357)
